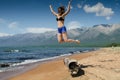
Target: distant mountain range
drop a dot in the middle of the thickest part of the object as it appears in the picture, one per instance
(98, 35)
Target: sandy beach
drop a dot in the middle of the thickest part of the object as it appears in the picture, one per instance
(102, 64)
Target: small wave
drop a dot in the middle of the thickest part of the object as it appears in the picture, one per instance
(39, 60)
(1, 71)
(15, 50)
(16, 66)
(65, 55)
(11, 68)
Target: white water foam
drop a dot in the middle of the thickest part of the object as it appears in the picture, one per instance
(39, 60)
(21, 65)
(11, 68)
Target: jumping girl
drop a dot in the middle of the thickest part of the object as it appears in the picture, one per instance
(60, 17)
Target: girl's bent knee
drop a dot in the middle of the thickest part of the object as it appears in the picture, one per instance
(60, 41)
(66, 40)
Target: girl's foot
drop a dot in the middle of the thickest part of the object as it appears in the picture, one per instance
(77, 41)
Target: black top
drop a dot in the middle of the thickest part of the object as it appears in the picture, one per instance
(60, 19)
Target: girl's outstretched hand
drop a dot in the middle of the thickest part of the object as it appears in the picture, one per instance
(50, 5)
(70, 1)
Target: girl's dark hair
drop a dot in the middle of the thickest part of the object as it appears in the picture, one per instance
(61, 10)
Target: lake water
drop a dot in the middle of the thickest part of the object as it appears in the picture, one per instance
(12, 57)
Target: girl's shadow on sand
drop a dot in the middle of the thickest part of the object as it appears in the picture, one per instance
(81, 71)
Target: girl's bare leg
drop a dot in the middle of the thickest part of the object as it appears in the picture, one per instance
(60, 39)
(65, 38)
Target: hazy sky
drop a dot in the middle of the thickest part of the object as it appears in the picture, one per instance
(22, 16)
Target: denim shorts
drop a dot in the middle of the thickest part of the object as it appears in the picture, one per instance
(62, 30)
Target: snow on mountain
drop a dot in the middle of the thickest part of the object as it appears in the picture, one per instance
(107, 29)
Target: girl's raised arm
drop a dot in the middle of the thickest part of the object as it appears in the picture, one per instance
(53, 10)
(68, 9)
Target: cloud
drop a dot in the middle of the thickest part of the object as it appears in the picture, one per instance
(2, 20)
(4, 34)
(108, 18)
(79, 6)
(99, 10)
(38, 30)
(13, 25)
(15, 28)
(73, 25)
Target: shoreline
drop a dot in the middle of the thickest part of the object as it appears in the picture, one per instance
(102, 64)
(26, 67)
(52, 61)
